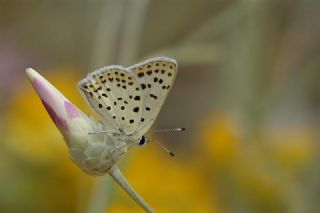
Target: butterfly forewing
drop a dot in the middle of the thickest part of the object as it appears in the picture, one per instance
(155, 77)
(112, 93)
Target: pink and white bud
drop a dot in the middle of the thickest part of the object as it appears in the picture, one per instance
(93, 153)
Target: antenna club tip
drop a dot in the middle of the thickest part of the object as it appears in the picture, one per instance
(183, 129)
(171, 153)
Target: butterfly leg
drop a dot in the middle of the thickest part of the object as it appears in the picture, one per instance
(104, 132)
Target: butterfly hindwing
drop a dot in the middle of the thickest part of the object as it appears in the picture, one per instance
(112, 93)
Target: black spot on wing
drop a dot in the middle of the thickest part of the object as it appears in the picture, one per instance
(137, 98)
(136, 109)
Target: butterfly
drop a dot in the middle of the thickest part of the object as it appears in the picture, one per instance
(129, 99)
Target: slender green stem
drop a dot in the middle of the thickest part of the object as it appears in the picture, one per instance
(101, 195)
(116, 174)
(107, 33)
(132, 26)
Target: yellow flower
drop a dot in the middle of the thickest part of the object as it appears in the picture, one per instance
(220, 141)
(261, 173)
(293, 149)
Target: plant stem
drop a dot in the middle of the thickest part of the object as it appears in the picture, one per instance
(132, 27)
(101, 195)
(116, 174)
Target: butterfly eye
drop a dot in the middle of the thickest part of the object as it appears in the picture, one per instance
(142, 141)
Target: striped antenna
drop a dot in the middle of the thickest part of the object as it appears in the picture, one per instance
(169, 130)
(164, 148)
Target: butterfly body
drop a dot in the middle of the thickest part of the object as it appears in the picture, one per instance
(127, 101)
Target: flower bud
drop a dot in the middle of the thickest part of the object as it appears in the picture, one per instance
(93, 153)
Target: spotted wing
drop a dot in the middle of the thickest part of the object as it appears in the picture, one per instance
(115, 95)
(155, 78)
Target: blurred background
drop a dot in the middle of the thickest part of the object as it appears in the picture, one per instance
(248, 92)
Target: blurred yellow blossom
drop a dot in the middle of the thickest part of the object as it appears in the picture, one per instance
(255, 173)
(293, 148)
(219, 139)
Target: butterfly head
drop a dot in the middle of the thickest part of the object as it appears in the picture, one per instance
(143, 140)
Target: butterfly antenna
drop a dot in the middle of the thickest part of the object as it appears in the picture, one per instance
(169, 130)
(164, 148)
